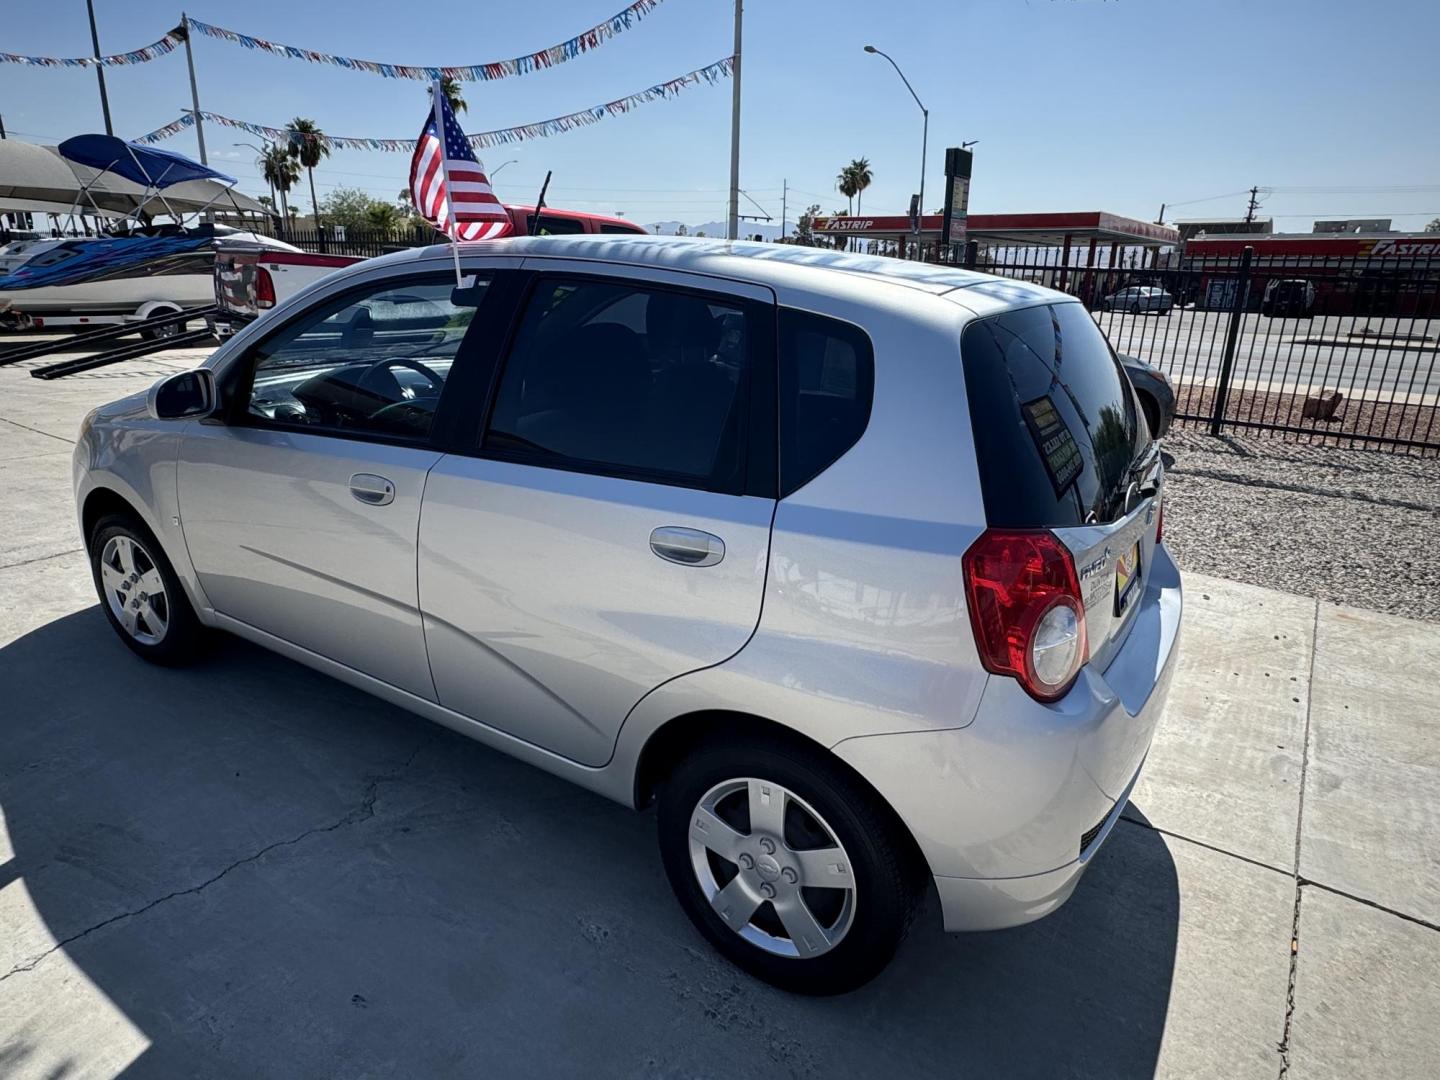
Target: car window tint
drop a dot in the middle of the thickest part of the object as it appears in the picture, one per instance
(626, 378)
(827, 376)
(1054, 418)
(605, 227)
(374, 364)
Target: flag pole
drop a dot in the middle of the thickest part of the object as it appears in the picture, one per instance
(435, 103)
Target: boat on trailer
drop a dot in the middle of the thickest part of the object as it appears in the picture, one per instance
(138, 270)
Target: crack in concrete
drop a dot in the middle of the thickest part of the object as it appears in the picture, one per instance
(363, 812)
(1207, 846)
(1284, 1045)
(37, 431)
(1351, 494)
(41, 558)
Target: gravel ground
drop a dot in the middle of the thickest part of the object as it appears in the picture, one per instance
(1354, 527)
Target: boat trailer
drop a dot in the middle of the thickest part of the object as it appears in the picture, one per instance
(102, 338)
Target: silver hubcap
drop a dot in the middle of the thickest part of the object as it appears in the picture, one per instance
(791, 897)
(134, 590)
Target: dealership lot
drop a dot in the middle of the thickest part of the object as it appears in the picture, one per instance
(246, 868)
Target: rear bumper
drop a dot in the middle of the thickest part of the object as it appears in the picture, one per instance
(1009, 810)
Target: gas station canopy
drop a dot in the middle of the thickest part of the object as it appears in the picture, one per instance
(1012, 230)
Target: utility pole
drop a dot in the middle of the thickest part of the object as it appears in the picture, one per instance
(784, 194)
(1161, 219)
(1254, 205)
(195, 92)
(99, 70)
(732, 228)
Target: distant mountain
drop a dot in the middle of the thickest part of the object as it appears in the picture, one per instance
(748, 229)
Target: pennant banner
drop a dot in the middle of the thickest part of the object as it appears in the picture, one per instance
(710, 74)
(496, 69)
(139, 56)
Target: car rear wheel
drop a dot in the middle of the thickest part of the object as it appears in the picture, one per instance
(787, 864)
(140, 594)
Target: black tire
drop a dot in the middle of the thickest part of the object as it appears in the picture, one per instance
(887, 883)
(156, 334)
(1151, 409)
(183, 634)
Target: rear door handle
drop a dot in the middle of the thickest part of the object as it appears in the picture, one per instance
(688, 547)
(371, 489)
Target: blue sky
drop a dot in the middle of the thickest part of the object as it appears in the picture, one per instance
(1078, 104)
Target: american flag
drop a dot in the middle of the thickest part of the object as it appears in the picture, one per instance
(476, 213)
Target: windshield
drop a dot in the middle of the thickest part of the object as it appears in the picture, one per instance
(1056, 427)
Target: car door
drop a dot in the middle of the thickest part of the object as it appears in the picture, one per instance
(609, 527)
(300, 510)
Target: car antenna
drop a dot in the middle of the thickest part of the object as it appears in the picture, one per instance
(539, 205)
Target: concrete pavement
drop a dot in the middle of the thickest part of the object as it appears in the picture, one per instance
(244, 868)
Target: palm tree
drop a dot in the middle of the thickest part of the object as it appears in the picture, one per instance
(451, 89)
(308, 147)
(280, 171)
(861, 176)
(383, 216)
(845, 181)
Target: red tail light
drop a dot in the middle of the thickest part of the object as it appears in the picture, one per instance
(264, 288)
(1026, 609)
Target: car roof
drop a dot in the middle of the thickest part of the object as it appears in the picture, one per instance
(776, 265)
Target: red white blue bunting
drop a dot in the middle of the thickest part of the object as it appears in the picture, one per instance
(582, 42)
(139, 56)
(710, 74)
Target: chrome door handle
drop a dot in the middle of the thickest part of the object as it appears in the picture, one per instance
(371, 489)
(688, 547)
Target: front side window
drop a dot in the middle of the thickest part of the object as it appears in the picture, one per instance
(374, 364)
(628, 379)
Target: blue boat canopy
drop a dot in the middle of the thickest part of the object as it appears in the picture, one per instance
(148, 165)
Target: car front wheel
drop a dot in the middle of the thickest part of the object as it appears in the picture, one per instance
(140, 594)
(788, 864)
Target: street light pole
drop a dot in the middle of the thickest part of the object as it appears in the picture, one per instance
(732, 228)
(99, 70)
(925, 138)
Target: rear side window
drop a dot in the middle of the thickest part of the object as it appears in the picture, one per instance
(827, 382)
(1053, 415)
(629, 380)
(606, 227)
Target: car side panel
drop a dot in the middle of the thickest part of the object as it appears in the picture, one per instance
(864, 628)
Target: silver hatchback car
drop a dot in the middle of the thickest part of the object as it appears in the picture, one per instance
(852, 567)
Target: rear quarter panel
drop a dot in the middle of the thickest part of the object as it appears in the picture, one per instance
(864, 628)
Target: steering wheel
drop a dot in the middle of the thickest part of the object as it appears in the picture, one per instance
(412, 415)
(367, 378)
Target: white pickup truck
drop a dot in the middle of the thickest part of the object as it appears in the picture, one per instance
(250, 280)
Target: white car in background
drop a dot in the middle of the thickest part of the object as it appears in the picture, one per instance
(1138, 298)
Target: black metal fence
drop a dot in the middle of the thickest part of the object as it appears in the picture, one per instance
(364, 243)
(1336, 350)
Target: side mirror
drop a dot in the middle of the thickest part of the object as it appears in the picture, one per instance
(183, 396)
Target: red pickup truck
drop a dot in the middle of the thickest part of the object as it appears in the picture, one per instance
(249, 279)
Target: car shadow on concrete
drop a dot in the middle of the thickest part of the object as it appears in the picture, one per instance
(269, 873)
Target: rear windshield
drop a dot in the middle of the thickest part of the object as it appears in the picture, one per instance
(1054, 418)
